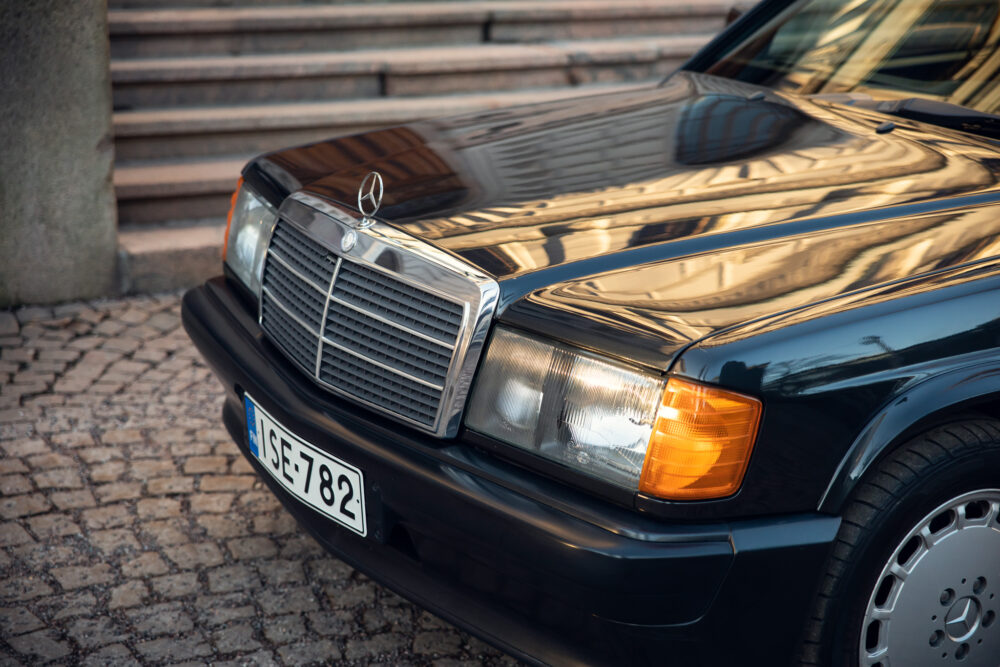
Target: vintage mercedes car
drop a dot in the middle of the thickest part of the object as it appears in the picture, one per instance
(700, 373)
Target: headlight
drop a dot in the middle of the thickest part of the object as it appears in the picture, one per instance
(672, 439)
(250, 221)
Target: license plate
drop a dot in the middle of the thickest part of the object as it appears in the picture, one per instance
(330, 486)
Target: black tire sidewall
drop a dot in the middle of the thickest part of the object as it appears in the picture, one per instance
(973, 471)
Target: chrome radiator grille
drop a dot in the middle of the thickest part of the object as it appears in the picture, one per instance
(359, 330)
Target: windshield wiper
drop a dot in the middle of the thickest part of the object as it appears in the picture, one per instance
(943, 114)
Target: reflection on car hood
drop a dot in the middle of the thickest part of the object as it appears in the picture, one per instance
(673, 212)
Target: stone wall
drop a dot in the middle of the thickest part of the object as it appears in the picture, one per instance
(58, 237)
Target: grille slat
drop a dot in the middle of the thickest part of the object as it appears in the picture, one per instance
(291, 337)
(292, 293)
(373, 291)
(385, 342)
(412, 355)
(302, 253)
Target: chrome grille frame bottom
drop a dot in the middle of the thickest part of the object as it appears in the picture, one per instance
(407, 266)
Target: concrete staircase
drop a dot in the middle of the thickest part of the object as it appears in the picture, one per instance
(203, 85)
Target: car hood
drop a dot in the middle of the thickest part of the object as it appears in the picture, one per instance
(661, 215)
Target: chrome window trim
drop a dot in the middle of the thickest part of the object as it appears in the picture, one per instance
(413, 262)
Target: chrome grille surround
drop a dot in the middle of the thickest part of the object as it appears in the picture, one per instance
(393, 323)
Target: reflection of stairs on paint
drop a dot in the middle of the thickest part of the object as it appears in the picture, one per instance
(202, 86)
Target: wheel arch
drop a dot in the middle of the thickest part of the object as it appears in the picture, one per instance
(970, 390)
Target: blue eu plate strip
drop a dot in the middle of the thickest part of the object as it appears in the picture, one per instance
(251, 424)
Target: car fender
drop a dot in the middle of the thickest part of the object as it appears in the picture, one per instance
(909, 413)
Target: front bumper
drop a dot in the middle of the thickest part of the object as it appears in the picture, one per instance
(535, 567)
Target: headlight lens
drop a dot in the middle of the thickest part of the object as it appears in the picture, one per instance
(675, 439)
(250, 221)
(586, 412)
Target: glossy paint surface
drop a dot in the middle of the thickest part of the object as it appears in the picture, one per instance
(670, 213)
(716, 230)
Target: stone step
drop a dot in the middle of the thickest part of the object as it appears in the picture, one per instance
(140, 33)
(187, 189)
(419, 71)
(169, 257)
(179, 191)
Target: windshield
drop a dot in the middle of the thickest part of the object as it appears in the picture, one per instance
(944, 50)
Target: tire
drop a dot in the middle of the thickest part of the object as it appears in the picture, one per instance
(893, 595)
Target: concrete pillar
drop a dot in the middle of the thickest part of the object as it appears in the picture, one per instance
(58, 235)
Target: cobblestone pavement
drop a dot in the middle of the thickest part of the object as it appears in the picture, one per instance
(132, 530)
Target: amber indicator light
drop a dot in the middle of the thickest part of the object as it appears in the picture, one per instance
(701, 442)
(229, 217)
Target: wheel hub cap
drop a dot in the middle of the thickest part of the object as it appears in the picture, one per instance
(962, 619)
(938, 596)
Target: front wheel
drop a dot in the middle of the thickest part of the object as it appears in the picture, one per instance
(935, 600)
(914, 575)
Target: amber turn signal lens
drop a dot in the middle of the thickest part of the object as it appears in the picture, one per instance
(701, 443)
(229, 217)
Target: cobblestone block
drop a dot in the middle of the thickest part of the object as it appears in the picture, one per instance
(176, 585)
(129, 594)
(235, 638)
(25, 447)
(96, 632)
(211, 502)
(69, 605)
(281, 572)
(285, 629)
(227, 483)
(381, 644)
(206, 464)
(114, 539)
(161, 619)
(53, 525)
(25, 505)
(41, 645)
(232, 578)
(50, 460)
(310, 653)
(221, 526)
(107, 517)
(252, 547)
(13, 484)
(66, 500)
(167, 532)
(94, 455)
(9, 466)
(17, 621)
(170, 485)
(146, 468)
(144, 565)
(440, 643)
(275, 524)
(214, 610)
(340, 623)
(122, 437)
(109, 493)
(299, 599)
(173, 649)
(80, 576)
(13, 534)
(158, 508)
(23, 588)
(62, 478)
(115, 654)
(191, 556)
